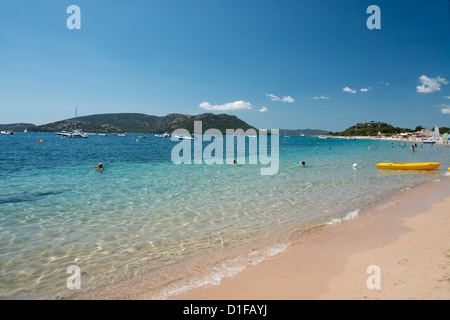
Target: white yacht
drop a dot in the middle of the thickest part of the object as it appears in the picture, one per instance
(75, 133)
(78, 134)
(186, 137)
(165, 135)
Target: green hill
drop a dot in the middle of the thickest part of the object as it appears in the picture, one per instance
(370, 129)
(16, 126)
(142, 123)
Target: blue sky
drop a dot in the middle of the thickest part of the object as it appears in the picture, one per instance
(274, 64)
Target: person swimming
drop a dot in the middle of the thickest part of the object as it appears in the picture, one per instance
(98, 167)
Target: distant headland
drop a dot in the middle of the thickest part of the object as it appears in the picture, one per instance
(143, 123)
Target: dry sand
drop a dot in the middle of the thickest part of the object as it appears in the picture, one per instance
(407, 237)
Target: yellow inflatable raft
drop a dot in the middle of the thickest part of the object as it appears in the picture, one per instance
(409, 166)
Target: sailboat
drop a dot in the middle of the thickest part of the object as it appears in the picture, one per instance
(434, 137)
(75, 133)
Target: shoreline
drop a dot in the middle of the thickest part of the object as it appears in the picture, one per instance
(216, 276)
(406, 236)
(411, 140)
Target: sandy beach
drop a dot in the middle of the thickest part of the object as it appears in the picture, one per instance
(405, 237)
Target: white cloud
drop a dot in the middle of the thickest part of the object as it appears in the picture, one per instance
(365, 89)
(430, 85)
(445, 108)
(386, 83)
(284, 99)
(347, 89)
(237, 105)
(321, 98)
(288, 99)
(263, 109)
(447, 97)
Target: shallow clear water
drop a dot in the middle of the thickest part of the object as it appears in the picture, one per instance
(144, 212)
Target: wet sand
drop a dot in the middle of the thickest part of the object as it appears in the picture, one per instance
(407, 237)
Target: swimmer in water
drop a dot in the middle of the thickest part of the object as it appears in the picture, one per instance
(99, 167)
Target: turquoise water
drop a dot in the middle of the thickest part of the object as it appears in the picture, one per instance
(145, 215)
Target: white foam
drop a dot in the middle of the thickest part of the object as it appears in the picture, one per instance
(228, 268)
(349, 216)
(406, 188)
(352, 215)
(334, 221)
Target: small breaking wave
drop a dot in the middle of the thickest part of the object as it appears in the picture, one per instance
(406, 188)
(349, 216)
(228, 268)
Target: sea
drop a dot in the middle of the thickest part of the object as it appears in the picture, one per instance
(68, 231)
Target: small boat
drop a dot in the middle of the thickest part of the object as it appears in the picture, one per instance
(74, 133)
(103, 134)
(121, 134)
(77, 134)
(409, 166)
(165, 135)
(7, 132)
(186, 137)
